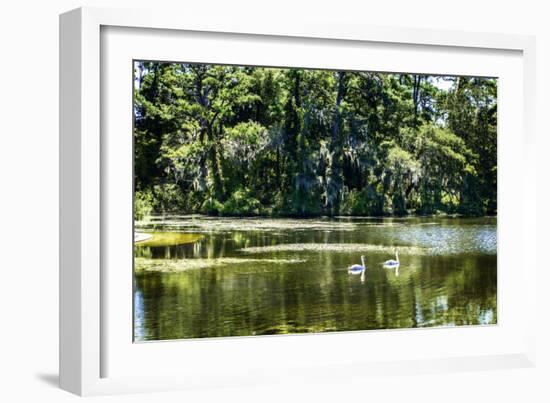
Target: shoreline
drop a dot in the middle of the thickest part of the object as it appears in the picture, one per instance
(311, 217)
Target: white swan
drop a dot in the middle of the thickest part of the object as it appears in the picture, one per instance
(358, 268)
(392, 264)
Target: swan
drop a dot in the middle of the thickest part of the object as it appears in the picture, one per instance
(391, 264)
(358, 268)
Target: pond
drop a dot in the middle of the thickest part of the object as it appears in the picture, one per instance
(203, 276)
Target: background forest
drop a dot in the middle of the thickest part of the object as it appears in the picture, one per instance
(232, 140)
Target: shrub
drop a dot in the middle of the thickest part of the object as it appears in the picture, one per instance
(169, 198)
(241, 202)
(211, 206)
(364, 202)
(298, 203)
(143, 204)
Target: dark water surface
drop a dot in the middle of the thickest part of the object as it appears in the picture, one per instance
(238, 277)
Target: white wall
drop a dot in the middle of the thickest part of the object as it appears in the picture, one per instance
(29, 186)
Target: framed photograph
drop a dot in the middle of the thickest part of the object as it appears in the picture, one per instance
(242, 203)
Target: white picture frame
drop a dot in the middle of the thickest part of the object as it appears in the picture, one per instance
(89, 330)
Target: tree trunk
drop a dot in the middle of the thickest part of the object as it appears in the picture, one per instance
(278, 169)
(214, 167)
(334, 169)
(416, 95)
(292, 128)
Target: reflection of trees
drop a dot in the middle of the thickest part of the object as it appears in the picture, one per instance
(311, 297)
(446, 291)
(318, 295)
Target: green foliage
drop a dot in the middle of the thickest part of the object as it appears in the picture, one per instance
(143, 205)
(240, 203)
(297, 203)
(230, 140)
(362, 203)
(211, 206)
(168, 198)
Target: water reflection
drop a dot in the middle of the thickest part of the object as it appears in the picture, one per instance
(446, 276)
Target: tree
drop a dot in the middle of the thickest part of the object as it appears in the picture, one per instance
(250, 140)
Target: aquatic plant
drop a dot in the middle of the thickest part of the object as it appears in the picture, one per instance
(335, 247)
(179, 265)
(169, 239)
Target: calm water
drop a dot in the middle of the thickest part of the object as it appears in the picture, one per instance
(237, 277)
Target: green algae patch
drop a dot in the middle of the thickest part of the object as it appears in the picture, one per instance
(335, 247)
(169, 239)
(180, 265)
